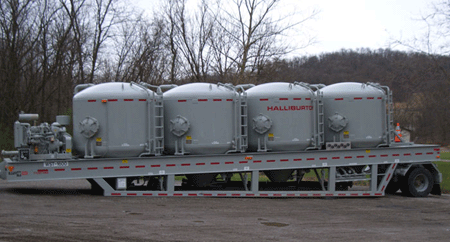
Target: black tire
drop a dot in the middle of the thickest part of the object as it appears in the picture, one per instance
(417, 183)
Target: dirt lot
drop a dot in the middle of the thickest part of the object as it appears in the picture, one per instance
(65, 211)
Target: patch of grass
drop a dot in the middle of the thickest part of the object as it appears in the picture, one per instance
(445, 155)
(444, 168)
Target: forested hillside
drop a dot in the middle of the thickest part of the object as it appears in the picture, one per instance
(49, 47)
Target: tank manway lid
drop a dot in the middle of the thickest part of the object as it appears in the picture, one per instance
(111, 90)
(200, 89)
(351, 89)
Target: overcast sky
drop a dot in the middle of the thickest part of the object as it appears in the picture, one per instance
(353, 24)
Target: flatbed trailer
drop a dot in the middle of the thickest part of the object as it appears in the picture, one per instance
(406, 166)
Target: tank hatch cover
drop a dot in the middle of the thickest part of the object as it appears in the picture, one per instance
(262, 123)
(337, 122)
(89, 127)
(179, 125)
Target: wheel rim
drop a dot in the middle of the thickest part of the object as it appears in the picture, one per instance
(421, 183)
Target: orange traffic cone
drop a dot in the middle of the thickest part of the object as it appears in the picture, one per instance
(398, 132)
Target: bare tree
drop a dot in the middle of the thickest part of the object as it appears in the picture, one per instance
(189, 35)
(254, 29)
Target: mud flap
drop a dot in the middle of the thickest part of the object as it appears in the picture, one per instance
(436, 189)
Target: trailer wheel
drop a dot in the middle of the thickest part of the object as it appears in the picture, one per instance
(418, 183)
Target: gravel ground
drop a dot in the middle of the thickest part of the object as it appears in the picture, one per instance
(65, 211)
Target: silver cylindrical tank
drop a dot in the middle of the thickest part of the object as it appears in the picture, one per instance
(112, 120)
(200, 118)
(356, 113)
(280, 116)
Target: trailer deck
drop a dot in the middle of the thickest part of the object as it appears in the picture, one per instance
(332, 167)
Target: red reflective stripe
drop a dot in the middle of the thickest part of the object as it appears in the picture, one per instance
(389, 176)
(140, 166)
(418, 153)
(379, 98)
(128, 100)
(370, 98)
(124, 167)
(263, 195)
(215, 163)
(437, 149)
(429, 153)
(60, 169)
(131, 194)
(229, 162)
(108, 168)
(323, 158)
(360, 156)
(200, 164)
(396, 155)
(372, 156)
(92, 101)
(112, 100)
(284, 160)
(336, 158)
(76, 169)
(250, 195)
(310, 159)
(354, 194)
(162, 194)
(297, 99)
(348, 157)
(308, 98)
(147, 194)
(115, 194)
(382, 189)
(203, 100)
(256, 161)
(378, 194)
(277, 195)
(264, 99)
(407, 154)
(207, 194)
(217, 100)
(339, 99)
(155, 165)
(270, 160)
(186, 164)
(358, 98)
(182, 101)
(170, 165)
(243, 162)
(366, 194)
(297, 159)
(92, 168)
(284, 99)
(229, 100)
(383, 155)
(142, 100)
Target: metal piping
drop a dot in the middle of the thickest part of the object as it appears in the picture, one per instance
(81, 87)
